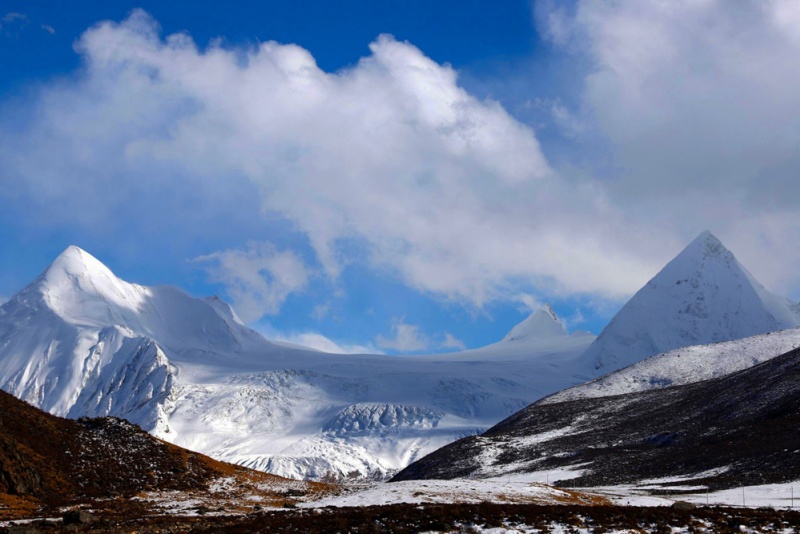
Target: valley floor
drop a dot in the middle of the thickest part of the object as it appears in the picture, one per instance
(457, 518)
(497, 506)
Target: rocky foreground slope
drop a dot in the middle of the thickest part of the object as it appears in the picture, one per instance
(48, 463)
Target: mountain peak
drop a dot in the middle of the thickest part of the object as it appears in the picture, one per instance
(76, 262)
(706, 245)
(704, 295)
(80, 289)
(543, 323)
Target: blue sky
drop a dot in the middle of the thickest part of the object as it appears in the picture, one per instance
(399, 176)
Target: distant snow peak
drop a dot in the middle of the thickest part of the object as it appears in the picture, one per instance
(541, 324)
(704, 295)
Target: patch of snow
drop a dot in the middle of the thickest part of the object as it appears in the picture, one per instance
(447, 491)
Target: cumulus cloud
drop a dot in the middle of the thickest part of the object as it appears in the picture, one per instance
(453, 343)
(409, 338)
(389, 162)
(404, 338)
(699, 104)
(258, 279)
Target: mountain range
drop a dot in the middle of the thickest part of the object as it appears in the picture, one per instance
(78, 341)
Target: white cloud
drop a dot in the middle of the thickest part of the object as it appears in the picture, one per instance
(389, 162)
(258, 279)
(404, 338)
(13, 22)
(452, 342)
(699, 103)
(409, 338)
(530, 303)
(12, 17)
(49, 29)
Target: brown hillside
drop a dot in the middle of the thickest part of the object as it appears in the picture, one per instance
(50, 461)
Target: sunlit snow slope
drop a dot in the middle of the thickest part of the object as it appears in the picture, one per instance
(702, 296)
(686, 365)
(79, 341)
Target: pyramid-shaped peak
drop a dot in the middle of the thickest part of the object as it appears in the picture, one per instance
(704, 245)
(541, 324)
(704, 295)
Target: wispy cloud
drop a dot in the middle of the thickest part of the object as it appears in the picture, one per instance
(13, 20)
(258, 279)
(49, 29)
(13, 17)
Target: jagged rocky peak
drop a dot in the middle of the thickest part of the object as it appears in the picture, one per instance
(704, 295)
(541, 324)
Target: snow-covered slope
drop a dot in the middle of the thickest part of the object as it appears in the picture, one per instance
(702, 296)
(685, 366)
(79, 341)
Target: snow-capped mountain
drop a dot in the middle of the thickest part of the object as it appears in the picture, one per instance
(79, 341)
(541, 324)
(704, 295)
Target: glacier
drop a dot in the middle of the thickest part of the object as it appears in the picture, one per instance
(78, 341)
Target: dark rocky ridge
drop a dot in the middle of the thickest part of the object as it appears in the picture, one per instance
(746, 423)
